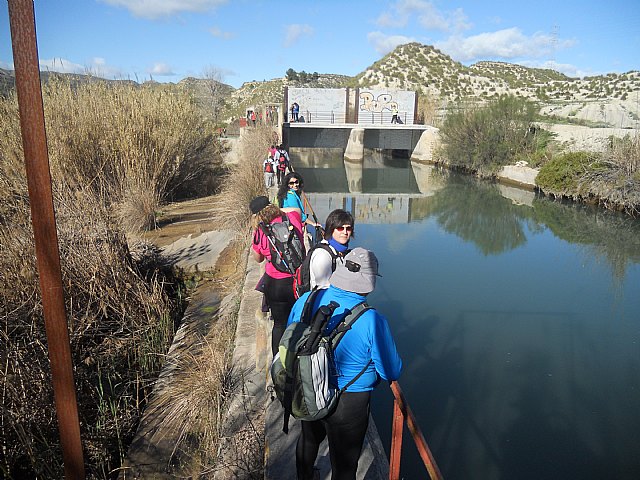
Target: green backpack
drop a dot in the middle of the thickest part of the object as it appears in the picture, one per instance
(303, 371)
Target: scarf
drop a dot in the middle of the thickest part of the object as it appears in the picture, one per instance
(338, 246)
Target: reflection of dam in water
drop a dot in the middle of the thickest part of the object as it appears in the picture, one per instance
(381, 188)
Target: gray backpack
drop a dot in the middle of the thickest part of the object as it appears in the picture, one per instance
(304, 371)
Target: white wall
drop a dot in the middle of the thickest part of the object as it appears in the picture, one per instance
(320, 105)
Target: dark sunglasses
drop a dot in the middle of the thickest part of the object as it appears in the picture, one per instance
(352, 266)
(296, 182)
(348, 228)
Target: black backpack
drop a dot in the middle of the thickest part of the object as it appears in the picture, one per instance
(287, 250)
(302, 278)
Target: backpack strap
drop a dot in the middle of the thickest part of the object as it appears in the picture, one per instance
(347, 322)
(307, 310)
(342, 329)
(353, 380)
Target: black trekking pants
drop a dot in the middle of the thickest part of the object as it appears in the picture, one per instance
(345, 429)
(278, 293)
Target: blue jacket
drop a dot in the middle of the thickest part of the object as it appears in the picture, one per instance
(369, 339)
(293, 200)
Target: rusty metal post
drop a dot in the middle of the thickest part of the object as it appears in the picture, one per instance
(397, 429)
(34, 141)
(421, 444)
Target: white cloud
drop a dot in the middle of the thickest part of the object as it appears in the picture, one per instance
(295, 31)
(427, 15)
(383, 43)
(6, 65)
(161, 8)
(161, 69)
(98, 67)
(61, 65)
(216, 32)
(506, 44)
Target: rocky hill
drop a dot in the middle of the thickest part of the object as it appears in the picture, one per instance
(610, 100)
(607, 100)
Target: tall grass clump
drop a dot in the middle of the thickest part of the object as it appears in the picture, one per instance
(116, 151)
(245, 179)
(133, 146)
(483, 138)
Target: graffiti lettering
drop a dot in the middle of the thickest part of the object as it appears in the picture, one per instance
(383, 102)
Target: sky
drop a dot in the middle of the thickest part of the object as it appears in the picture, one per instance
(247, 40)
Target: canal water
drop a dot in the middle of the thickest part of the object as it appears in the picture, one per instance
(517, 318)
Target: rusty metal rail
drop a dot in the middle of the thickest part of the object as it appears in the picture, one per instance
(401, 413)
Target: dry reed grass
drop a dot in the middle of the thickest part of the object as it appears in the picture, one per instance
(244, 181)
(116, 151)
(616, 184)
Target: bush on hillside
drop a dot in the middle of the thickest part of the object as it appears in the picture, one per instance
(485, 138)
(563, 174)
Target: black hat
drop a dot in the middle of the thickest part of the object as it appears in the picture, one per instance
(258, 203)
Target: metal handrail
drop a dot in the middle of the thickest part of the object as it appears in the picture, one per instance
(401, 413)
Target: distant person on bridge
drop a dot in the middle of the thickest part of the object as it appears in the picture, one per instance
(394, 114)
(367, 349)
(269, 168)
(295, 110)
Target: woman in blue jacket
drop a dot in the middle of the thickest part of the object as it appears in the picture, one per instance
(368, 344)
(289, 196)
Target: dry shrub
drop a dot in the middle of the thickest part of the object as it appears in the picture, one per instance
(616, 185)
(132, 146)
(113, 148)
(625, 154)
(192, 404)
(245, 179)
(120, 323)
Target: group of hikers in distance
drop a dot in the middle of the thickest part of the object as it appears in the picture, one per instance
(275, 166)
(330, 348)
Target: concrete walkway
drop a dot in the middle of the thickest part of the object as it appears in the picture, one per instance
(253, 411)
(252, 358)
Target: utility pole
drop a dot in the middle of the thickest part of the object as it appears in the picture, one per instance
(34, 141)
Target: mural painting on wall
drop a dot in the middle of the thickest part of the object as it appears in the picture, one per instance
(372, 104)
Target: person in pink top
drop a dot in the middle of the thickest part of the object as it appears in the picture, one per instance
(278, 285)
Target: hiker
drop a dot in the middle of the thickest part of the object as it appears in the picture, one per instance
(278, 285)
(282, 160)
(338, 230)
(289, 196)
(368, 346)
(269, 169)
(295, 110)
(394, 113)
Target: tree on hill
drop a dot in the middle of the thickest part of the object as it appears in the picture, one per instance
(215, 88)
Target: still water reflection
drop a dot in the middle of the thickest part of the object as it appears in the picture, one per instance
(518, 320)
